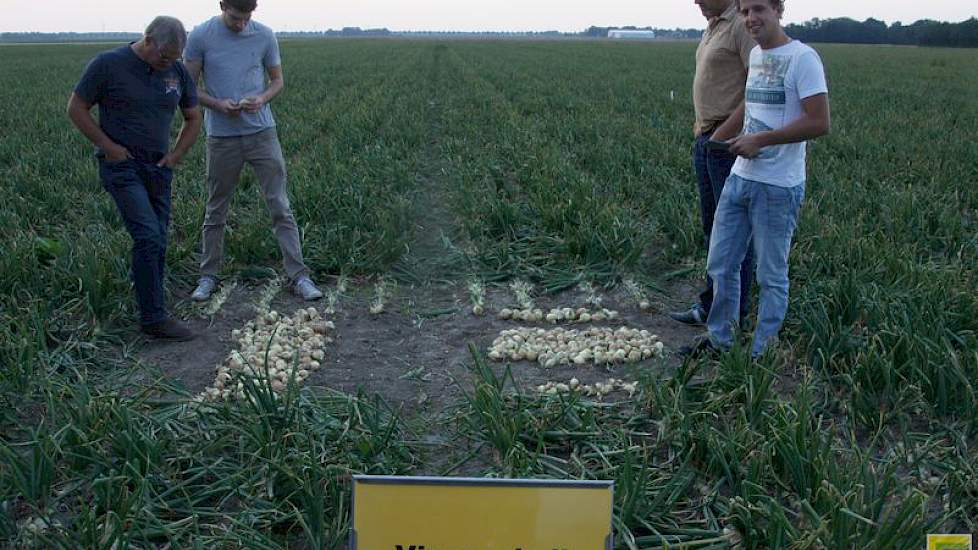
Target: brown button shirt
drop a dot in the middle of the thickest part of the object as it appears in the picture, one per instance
(722, 61)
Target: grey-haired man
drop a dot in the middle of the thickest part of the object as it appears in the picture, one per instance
(137, 88)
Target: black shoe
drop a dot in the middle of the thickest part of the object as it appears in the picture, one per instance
(171, 329)
(694, 316)
(701, 345)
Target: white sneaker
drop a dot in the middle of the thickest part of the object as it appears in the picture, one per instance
(205, 287)
(307, 290)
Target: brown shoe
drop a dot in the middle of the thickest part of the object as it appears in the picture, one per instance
(171, 329)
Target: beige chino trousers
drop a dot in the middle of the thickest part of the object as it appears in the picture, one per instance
(226, 157)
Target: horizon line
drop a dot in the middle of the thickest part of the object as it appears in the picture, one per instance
(887, 23)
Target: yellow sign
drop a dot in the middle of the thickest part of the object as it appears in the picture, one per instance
(427, 513)
(948, 542)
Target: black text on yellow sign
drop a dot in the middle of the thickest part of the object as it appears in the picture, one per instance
(392, 513)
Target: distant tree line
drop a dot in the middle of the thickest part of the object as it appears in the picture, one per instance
(874, 31)
(35, 37)
(844, 30)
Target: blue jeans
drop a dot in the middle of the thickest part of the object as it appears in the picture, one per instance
(141, 191)
(766, 216)
(712, 169)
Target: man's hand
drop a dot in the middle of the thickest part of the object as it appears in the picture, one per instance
(252, 104)
(192, 119)
(747, 146)
(814, 122)
(170, 160)
(79, 111)
(229, 107)
(115, 152)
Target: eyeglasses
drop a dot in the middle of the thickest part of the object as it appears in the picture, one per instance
(164, 57)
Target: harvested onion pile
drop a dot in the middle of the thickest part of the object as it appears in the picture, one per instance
(557, 315)
(598, 389)
(276, 346)
(600, 346)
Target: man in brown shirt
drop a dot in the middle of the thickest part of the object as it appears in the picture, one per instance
(722, 61)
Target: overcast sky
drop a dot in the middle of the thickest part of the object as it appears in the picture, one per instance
(465, 15)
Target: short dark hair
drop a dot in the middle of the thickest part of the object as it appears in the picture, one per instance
(241, 5)
(778, 5)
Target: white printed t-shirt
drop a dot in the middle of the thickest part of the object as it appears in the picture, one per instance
(778, 80)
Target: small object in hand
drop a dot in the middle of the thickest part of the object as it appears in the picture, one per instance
(718, 146)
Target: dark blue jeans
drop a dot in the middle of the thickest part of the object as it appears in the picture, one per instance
(712, 170)
(141, 191)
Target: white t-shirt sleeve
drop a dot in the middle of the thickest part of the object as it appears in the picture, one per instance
(810, 75)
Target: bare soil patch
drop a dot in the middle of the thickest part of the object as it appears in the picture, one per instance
(416, 353)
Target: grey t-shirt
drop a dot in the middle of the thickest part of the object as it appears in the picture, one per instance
(233, 66)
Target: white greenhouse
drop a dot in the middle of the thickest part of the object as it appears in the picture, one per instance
(631, 35)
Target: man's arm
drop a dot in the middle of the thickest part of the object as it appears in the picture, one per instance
(222, 105)
(276, 83)
(192, 121)
(732, 126)
(815, 121)
(79, 111)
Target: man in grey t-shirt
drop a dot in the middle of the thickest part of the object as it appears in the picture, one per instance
(234, 54)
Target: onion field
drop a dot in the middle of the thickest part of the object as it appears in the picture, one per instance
(436, 184)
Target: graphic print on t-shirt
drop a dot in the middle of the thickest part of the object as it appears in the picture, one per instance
(766, 85)
(755, 126)
(765, 90)
(172, 85)
(779, 81)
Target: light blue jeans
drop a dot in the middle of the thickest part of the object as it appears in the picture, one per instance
(765, 215)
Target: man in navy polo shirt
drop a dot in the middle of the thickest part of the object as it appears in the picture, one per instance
(137, 88)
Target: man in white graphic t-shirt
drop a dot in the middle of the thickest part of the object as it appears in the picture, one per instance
(785, 105)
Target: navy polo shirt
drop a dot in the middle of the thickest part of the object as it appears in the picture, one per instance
(135, 102)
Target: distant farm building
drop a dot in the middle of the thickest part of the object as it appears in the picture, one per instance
(631, 35)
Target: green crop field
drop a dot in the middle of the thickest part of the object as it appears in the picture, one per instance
(422, 167)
